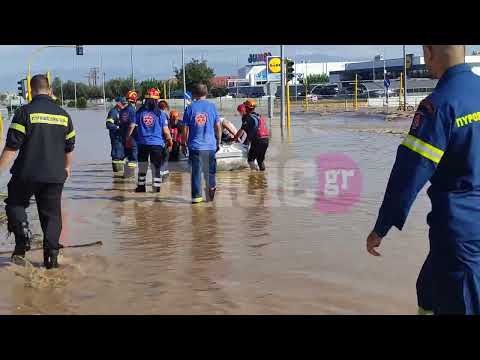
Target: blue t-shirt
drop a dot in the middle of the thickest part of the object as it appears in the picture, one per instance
(201, 117)
(150, 125)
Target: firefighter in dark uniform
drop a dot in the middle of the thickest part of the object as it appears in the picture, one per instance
(127, 117)
(254, 126)
(113, 125)
(43, 134)
(443, 147)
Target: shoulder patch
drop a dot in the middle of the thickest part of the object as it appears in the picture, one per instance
(417, 120)
(426, 107)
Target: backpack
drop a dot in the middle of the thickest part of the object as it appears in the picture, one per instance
(262, 130)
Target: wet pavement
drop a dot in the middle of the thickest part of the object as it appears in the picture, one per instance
(261, 248)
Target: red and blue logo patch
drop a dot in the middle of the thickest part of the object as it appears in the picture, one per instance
(201, 119)
(148, 120)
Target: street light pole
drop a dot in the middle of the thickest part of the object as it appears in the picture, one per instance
(74, 81)
(103, 82)
(282, 88)
(131, 65)
(184, 81)
(373, 69)
(404, 79)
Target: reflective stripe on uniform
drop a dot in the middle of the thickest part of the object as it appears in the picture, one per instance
(110, 121)
(40, 118)
(70, 135)
(420, 147)
(422, 311)
(118, 161)
(197, 200)
(18, 127)
(132, 165)
(141, 183)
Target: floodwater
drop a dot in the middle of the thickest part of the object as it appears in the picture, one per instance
(261, 248)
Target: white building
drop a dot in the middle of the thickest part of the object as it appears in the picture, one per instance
(256, 74)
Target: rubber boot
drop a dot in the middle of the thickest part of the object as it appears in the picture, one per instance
(141, 189)
(18, 256)
(156, 189)
(165, 175)
(23, 239)
(197, 200)
(117, 167)
(211, 193)
(262, 166)
(129, 171)
(252, 165)
(50, 258)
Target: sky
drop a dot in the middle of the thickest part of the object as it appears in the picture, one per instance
(159, 60)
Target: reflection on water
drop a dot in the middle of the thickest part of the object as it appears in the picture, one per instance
(261, 247)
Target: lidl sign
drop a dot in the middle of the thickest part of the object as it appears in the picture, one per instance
(274, 68)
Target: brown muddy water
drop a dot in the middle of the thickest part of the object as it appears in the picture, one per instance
(261, 248)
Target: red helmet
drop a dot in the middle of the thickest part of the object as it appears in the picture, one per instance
(152, 94)
(132, 96)
(241, 108)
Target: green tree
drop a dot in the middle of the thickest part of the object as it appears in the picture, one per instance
(95, 92)
(317, 78)
(118, 87)
(81, 102)
(195, 71)
(69, 90)
(82, 90)
(148, 84)
(56, 87)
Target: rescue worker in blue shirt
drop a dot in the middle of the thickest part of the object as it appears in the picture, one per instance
(116, 140)
(127, 117)
(202, 132)
(152, 133)
(443, 147)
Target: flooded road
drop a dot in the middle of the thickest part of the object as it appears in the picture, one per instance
(261, 248)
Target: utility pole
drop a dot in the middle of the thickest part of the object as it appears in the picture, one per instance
(103, 81)
(131, 65)
(61, 89)
(282, 88)
(384, 78)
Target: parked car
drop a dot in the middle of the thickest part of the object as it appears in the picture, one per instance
(328, 90)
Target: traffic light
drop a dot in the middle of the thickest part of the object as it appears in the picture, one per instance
(21, 88)
(290, 70)
(79, 49)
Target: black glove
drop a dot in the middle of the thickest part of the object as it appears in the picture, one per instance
(218, 148)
